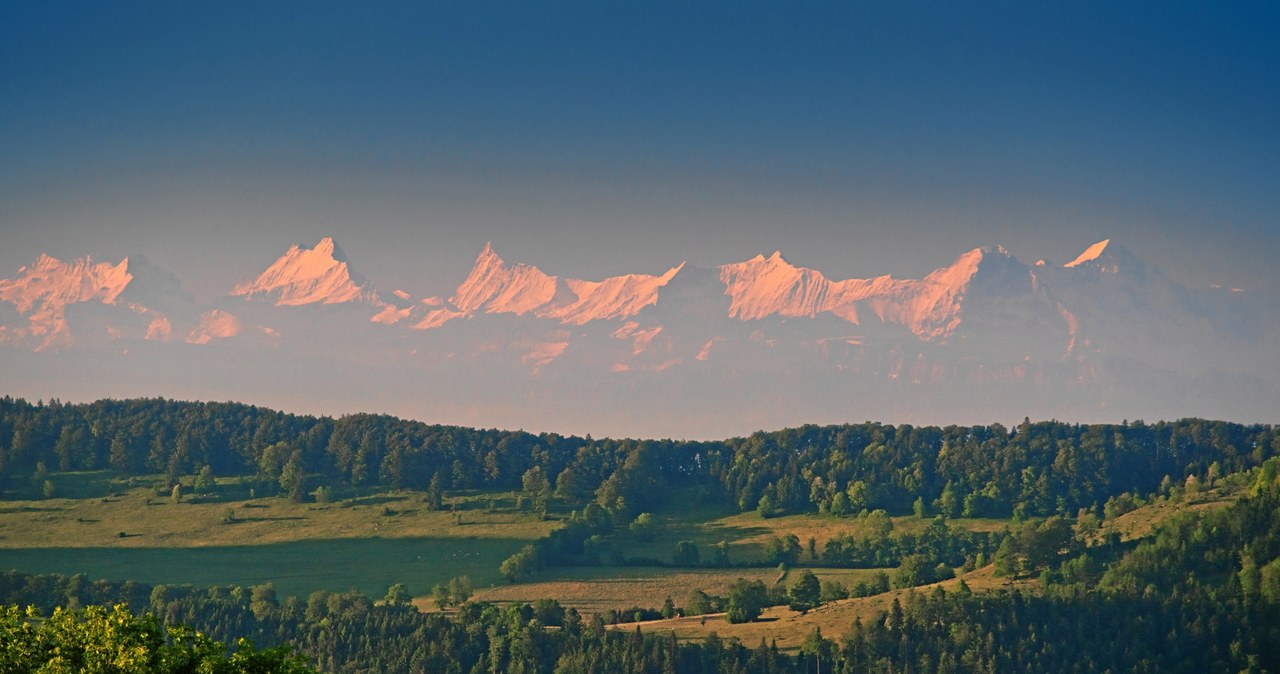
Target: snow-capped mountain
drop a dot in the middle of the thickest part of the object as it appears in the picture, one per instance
(308, 276)
(494, 287)
(55, 300)
(690, 350)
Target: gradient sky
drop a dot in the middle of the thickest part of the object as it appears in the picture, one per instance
(596, 138)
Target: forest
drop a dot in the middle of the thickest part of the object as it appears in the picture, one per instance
(1200, 594)
(1203, 595)
(1033, 469)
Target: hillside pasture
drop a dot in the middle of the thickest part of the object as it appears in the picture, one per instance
(124, 531)
(789, 628)
(600, 588)
(747, 533)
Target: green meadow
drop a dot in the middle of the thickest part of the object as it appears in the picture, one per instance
(126, 530)
(297, 568)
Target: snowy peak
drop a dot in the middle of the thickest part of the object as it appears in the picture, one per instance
(53, 282)
(495, 287)
(929, 307)
(614, 297)
(1091, 253)
(1106, 257)
(327, 246)
(319, 275)
(771, 286)
(992, 270)
(43, 291)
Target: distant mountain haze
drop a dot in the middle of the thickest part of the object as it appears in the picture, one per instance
(680, 351)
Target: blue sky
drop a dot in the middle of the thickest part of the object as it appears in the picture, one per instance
(597, 138)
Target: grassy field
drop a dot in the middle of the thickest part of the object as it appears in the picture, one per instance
(124, 529)
(297, 568)
(1142, 522)
(226, 518)
(121, 531)
(789, 628)
(747, 533)
(600, 588)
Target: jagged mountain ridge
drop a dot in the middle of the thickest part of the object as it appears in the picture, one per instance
(932, 308)
(42, 293)
(307, 276)
(988, 327)
(758, 288)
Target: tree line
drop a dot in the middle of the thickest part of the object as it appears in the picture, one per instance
(1033, 469)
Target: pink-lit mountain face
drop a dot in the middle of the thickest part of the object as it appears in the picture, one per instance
(687, 351)
(308, 276)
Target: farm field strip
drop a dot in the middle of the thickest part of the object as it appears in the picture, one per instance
(598, 589)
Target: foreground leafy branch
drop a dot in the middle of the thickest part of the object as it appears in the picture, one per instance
(98, 640)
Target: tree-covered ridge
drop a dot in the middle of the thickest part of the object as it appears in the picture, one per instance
(1033, 469)
(1203, 594)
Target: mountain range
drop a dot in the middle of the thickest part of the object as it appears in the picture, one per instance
(689, 351)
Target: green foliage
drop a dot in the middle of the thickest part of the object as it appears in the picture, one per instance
(397, 595)
(686, 554)
(1036, 547)
(858, 496)
(572, 485)
(521, 564)
(1179, 601)
(783, 549)
(1199, 597)
(918, 569)
(1040, 469)
(815, 646)
(537, 489)
(455, 593)
(1269, 581)
(100, 640)
(41, 472)
(831, 590)
(745, 600)
(720, 555)
(433, 498)
(644, 527)
(460, 589)
(204, 482)
(805, 593)
(634, 485)
(263, 601)
(840, 504)
(698, 603)
(948, 502)
(1009, 558)
(767, 507)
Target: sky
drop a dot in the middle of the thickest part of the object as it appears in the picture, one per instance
(598, 138)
